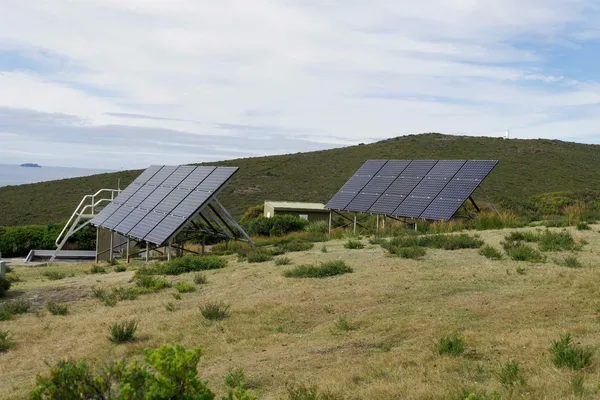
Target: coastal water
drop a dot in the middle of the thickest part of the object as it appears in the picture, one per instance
(17, 175)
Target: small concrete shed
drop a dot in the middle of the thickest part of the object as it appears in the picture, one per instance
(307, 211)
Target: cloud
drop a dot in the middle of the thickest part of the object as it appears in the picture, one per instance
(290, 75)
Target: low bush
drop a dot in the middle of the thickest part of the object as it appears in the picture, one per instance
(301, 392)
(15, 307)
(170, 307)
(354, 244)
(56, 308)
(452, 345)
(190, 263)
(323, 270)
(317, 227)
(150, 284)
(200, 279)
(96, 269)
(583, 226)
(120, 268)
(577, 384)
(230, 247)
(519, 251)
(215, 310)
(183, 287)
(283, 261)
(235, 378)
(490, 252)
(342, 324)
(412, 252)
(259, 255)
(295, 245)
(510, 374)
(169, 372)
(6, 342)
(54, 275)
(122, 332)
(493, 220)
(324, 249)
(569, 262)
(525, 236)
(558, 241)
(567, 354)
(107, 298)
(274, 226)
(5, 284)
(125, 293)
(446, 242)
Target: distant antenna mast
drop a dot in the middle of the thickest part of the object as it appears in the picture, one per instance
(507, 134)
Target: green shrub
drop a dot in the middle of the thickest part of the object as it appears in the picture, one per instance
(558, 241)
(295, 245)
(56, 308)
(520, 270)
(354, 244)
(235, 378)
(54, 275)
(412, 252)
(259, 255)
(324, 249)
(120, 268)
(177, 296)
(123, 293)
(510, 374)
(200, 279)
(253, 212)
(490, 252)
(452, 345)
(228, 247)
(343, 324)
(215, 310)
(96, 269)
(170, 372)
(8, 309)
(471, 393)
(446, 242)
(274, 226)
(106, 298)
(183, 287)
(317, 227)
(583, 226)
(170, 307)
(566, 354)
(124, 331)
(191, 263)
(569, 262)
(519, 251)
(324, 270)
(577, 386)
(5, 284)
(525, 236)
(150, 284)
(283, 261)
(301, 392)
(6, 342)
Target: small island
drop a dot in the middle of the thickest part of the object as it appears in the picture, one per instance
(31, 165)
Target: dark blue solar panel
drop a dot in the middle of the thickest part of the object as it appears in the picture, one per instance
(341, 200)
(155, 198)
(168, 204)
(196, 177)
(371, 167)
(147, 174)
(104, 214)
(428, 188)
(445, 168)
(386, 204)
(442, 209)
(403, 185)
(140, 196)
(161, 175)
(145, 226)
(164, 229)
(362, 202)
(356, 183)
(378, 184)
(132, 220)
(476, 169)
(393, 168)
(217, 178)
(412, 207)
(178, 176)
(116, 218)
(191, 203)
(418, 168)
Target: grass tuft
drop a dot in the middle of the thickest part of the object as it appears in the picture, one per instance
(283, 261)
(235, 378)
(452, 345)
(150, 284)
(490, 252)
(519, 251)
(324, 249)
(183, 287)
(215, 310)
(191, 263)
(323, 270)
(170, 307)
(96, 269)
(259, 255)
(56, 308)
(577, 386)
(558, 241)
(342, 324)
(583, 226)
(354, 245)
(54, 275)
(510, 374)
(120, 268)
(122, 332)
(8, 309)
(200, 279)
(6, 342)
(569, 262)
(567, 354)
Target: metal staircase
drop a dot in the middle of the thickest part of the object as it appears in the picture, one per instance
(88, 207)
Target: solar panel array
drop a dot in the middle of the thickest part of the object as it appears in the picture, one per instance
(161, 200)
(428, 189)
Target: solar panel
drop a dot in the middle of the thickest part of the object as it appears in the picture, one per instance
(419, 188)
(154, 207)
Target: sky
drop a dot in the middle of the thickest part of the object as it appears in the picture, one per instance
(128, 83)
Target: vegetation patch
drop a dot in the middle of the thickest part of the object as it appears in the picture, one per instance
(200, 279)
(120, 268)
(583, 226)
(183, 287)
(56, 308)
(558, 241)
(235, 378)
(54, 275)
(490, 252)
(343, 325)
(259, 255)
(510, 374)
(107, 298)
(317, 227)
(354, 244)
(452, 345)
(519, 251)
(412, 252)
(15, 307)
(446, 242)
(97, 269)
(150, 284)
(215, 310)
(567, 354)
(122, 332)
(295, 245)
(323, 270)
(569, 262)
(6, 342)
(5, 284)
(191, 263)
(283, 261)
(302, 392)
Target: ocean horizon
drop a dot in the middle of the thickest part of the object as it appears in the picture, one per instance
(17, 175)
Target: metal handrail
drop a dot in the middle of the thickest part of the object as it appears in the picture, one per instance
(92, 205)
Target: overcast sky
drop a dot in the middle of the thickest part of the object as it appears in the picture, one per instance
(128, 83)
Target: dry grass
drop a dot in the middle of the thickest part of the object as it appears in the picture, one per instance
(279, 331)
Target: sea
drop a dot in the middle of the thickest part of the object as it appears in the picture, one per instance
(17, 175)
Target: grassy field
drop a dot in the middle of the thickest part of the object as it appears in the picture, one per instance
(526, 168)
(369, 334)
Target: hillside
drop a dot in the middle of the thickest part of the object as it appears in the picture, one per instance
(527, 167)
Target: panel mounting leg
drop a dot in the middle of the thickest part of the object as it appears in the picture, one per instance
(330, 222)
(170, 249)
(128, 250)
(355, 223)
(474, 204)
(147, 251)
(110, 253)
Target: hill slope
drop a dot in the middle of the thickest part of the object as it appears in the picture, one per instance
(527, 167)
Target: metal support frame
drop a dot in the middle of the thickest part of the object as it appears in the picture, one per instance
(351, 220)
(330, 213)
(234, 223)
(112, 237)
